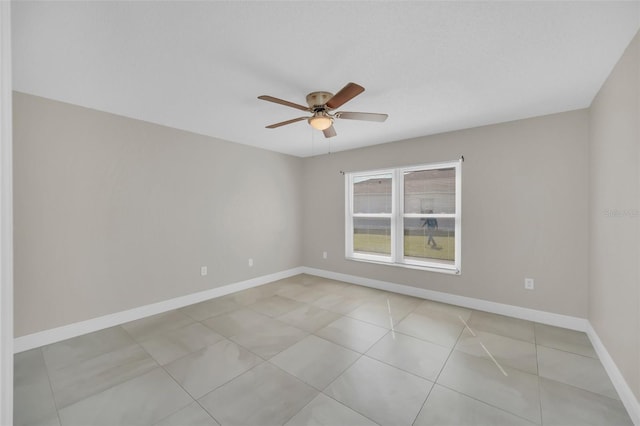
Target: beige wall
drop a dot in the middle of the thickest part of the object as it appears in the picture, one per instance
(524, 211)
(113, 213)
(614, 258)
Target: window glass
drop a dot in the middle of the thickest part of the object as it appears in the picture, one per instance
(430, 191)
(372, 194)
(372, 235)
(430, 238)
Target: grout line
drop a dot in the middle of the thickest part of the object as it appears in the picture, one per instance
(208, 413)
(53, 397)
(346, 406)
(482, 345)
(538, 381)
(435, 381)
(168, 374)
(494, 360)
(395, 366)
(568, 352)
(489, 404)
(298, 379)
(110, 351)
(357, 320)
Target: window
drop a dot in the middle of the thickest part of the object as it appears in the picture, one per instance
(407, 216)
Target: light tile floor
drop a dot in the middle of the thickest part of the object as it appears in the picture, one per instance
(307, 350)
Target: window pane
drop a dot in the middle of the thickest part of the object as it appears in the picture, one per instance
(372, 194)
(430, 191)
(372, 236)
(430, 239)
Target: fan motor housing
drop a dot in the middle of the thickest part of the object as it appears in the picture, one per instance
(316, 99)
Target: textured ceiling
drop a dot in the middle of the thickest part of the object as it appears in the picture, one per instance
(432, 66)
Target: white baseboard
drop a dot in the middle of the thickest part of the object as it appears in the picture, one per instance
(46, 337)
(564, 321)
(627, 396)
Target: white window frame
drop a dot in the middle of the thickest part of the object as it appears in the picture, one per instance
(397, 216)
(349, 179)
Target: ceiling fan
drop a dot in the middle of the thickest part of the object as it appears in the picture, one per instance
(321, 105)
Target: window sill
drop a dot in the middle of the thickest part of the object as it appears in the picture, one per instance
(450, 270)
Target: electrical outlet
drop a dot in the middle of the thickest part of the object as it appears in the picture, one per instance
(324, 254)
(203, 271)
(250, 262)
(528, 283)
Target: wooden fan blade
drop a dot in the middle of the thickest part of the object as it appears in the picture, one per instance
(329, 132)
(366, 116)
(283, 102)
(348, 92)
(284, 123)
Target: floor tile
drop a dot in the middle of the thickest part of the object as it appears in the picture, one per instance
(252, 295)
(289, 283)
(143, 400)
(455, 312)
(174, 344)
(324, 411)
(210, 308)
(269, 337)
(275, 306)
(351, 333)
(446, 407)
(577, 370)
(211, 367)
(50, 420)
(331, 286)
(145, 328)
(302, 293)
(566, 405)
(503, 326)
(362, 292)
(236, 322)
(517, 392)
(436, 327)
(301, 279)
(416, 356)
(508, 352)
(85, 347)
(32, 395)
(78, 381)
(403, 300)
(576, 342)
(308, 279)
(339, 303)
(309, 318)
(191, 415)
(315, 361)
(384, 394)
(262, 396)
(384, 311)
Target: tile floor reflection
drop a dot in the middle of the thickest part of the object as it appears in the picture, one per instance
(312, 351)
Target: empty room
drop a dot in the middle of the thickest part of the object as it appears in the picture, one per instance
(320, 213)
